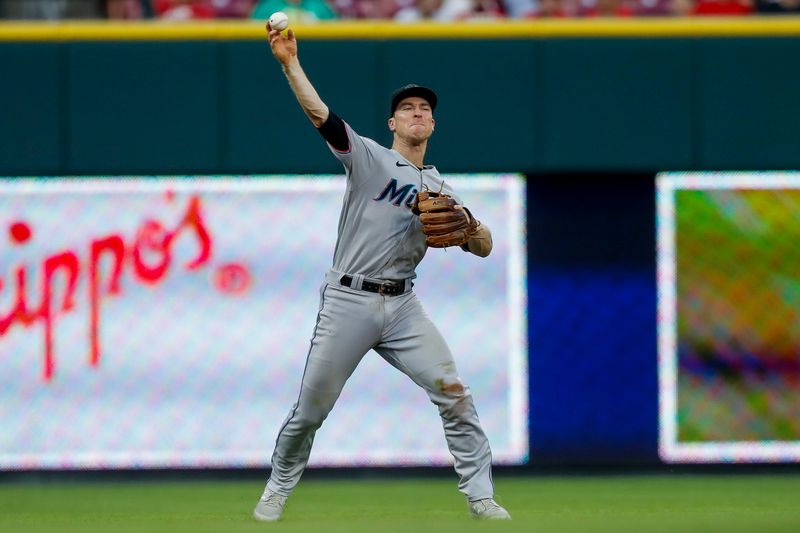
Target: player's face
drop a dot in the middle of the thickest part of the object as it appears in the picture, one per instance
(413, 119)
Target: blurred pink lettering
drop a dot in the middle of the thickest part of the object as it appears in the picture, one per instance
(149, 253)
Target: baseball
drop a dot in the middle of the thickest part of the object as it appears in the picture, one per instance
(278, 21)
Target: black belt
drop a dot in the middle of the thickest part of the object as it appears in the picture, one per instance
(389, 288)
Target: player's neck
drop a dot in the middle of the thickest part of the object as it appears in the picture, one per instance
(414, 153)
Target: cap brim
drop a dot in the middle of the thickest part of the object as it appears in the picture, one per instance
(423, 92)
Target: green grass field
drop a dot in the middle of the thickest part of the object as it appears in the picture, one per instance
(668, 503)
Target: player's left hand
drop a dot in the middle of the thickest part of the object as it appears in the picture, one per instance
(444, 222)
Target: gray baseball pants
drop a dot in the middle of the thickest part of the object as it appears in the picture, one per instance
(349, 324)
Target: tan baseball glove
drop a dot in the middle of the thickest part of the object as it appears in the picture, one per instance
(444, 222)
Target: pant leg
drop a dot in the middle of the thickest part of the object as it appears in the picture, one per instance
(346, 329)
(413, 344)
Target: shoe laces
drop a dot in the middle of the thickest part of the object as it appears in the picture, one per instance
(486, 504)
(274, 499)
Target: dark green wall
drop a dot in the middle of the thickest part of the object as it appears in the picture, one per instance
(535, 105)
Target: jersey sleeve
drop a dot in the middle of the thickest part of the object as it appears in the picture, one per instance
(355, 152)
(334, 132)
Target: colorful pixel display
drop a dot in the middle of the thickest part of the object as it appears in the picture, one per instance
(729, 316)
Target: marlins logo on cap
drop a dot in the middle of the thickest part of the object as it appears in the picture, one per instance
(410, 90)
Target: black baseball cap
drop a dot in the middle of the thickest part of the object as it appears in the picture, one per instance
(412, 89)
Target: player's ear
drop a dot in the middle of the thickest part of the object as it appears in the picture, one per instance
(391, 124)
(433, 124)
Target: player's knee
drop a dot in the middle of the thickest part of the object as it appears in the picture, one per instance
(451, 388)
(452, 397)
(311, 421)
(313, 411)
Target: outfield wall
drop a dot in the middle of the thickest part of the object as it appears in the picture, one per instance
(527, 97)
(590, 111)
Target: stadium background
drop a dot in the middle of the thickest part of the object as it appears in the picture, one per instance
(589, 111)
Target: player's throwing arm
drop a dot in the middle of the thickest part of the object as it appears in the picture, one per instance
(284, 48)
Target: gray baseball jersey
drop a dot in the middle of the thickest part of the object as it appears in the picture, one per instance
(379, 236)
(380, 239)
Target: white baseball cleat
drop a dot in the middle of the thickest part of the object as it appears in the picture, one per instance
(488, 509)
(270, 507)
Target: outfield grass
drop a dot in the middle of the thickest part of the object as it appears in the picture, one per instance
(662, 503)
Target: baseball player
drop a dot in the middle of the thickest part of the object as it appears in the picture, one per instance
(395, 207)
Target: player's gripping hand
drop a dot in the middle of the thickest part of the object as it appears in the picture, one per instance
(284, 47)
(444, 222)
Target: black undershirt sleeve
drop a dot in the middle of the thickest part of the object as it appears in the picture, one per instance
(335, 132)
